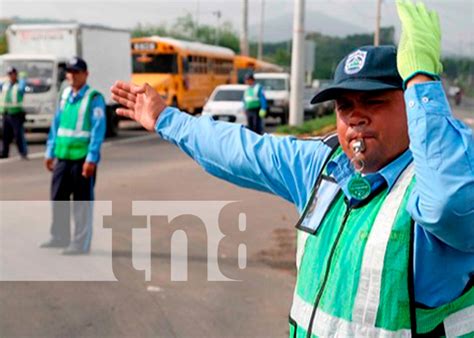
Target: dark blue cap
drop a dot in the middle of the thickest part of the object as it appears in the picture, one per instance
(11, 70)
(249, 76)
(368, 68)
(76, 64)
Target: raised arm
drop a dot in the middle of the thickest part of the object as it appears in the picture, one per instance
(442, 146)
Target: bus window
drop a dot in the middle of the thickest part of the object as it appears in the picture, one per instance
(151, 63)
(185, 65)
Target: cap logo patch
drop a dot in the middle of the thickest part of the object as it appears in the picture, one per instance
(355, 62)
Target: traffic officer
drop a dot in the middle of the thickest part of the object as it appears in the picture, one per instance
(255, 104)
(11, 100)
(72, 154)
(386, 238)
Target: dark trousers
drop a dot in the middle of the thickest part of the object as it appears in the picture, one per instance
(13, 128)
(254, 122)
(67, 181)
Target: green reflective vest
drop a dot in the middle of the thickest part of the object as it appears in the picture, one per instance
(11, 99)
(73, 135)
(354, 276)
(251, 99)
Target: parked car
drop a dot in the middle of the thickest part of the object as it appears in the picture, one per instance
(226, 104)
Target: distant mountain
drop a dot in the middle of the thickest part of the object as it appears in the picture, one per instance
(281, 28)
(456, 38)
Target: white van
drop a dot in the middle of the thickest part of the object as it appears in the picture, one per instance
(277, 92)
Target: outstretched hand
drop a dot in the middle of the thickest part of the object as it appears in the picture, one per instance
(140, 103)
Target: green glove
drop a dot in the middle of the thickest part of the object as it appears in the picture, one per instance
(419, 49)
(262, 113)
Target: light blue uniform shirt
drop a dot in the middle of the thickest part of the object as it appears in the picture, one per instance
(441, 204)
(98, 123)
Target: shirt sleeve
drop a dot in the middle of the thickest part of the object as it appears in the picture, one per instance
(22, 86)
(53, 130)
(263, 100)
(443, 150)
(99, 125)
(284, 166)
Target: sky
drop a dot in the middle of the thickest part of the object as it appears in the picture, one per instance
(457, 16)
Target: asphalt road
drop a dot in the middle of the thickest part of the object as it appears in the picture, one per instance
(141, 167)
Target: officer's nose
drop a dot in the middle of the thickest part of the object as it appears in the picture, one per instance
(358, 119)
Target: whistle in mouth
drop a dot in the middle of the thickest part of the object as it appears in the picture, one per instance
(358, 146)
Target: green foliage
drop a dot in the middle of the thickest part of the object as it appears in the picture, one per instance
(282, 57)
(185, 29)
(460, 71)
(454, 67)
(148, 30)
(329, 49)
(3, 44)
(312, 127)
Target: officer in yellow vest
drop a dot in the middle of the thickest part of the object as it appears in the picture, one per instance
(72, 154)
(11, 100)
(386, 235)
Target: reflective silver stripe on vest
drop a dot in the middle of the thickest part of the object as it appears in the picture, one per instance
(13, 95)
(326, 325)
(367, 299)
(78, 132)
(64, 96)
(254, 95)
(82, 110)
(300, 245)
(73, 133)
(459, 323)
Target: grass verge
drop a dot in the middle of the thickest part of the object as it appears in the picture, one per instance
(316, 127)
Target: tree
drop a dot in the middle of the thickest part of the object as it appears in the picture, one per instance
(185, 28)
(3, 44)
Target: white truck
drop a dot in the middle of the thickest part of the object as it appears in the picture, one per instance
(277, 92)
(40, 52)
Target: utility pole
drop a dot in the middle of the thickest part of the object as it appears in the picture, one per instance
(262, 23)
(377, 23)
(218, 14)
(244, 44)
(297, 65)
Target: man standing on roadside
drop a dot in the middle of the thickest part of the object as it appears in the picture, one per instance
(11, 100)
(72, 154)
(255, 104)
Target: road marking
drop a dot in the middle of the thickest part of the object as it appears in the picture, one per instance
(106, 144)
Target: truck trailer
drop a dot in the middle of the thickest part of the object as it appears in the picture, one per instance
(39, 52)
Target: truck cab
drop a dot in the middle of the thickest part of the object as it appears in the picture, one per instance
(45, 77)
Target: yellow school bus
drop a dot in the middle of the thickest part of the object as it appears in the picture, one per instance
(184, 73)
(246, 64)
